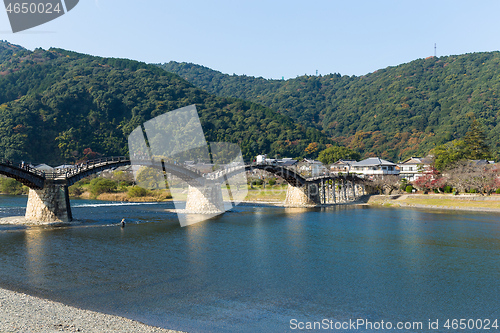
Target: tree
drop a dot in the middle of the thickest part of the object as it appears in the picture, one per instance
(101, 185)
(445, 156)
(312, 148)
(150, 178)
(137, 191)
(475, 140)
(11, 186)
(123, 178)
(430, 180)
(385, 184)
(473, 146)
(468, 175)
(89, 154)
(333, 154)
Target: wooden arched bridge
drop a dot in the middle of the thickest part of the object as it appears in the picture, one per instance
(48, 200)
(328, 188)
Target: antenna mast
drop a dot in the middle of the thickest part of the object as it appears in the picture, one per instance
(435, 53)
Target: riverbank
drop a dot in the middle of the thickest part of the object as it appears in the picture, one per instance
(23, 313)
(439, 201)
(159, 196)
(273, 195)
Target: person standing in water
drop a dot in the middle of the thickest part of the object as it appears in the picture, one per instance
(122, 223)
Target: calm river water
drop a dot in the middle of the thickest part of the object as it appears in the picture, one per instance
(256, 268)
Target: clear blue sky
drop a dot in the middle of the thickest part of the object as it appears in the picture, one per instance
(271, 38)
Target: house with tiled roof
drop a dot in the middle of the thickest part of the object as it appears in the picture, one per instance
(374, 166)
(311, 168)
(414, 167)
(341, 166)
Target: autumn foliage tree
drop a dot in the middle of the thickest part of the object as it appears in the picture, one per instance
(312, 148)
(430, 180)
(88, 154)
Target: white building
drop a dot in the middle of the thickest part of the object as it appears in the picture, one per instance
(342, 166)
(312, 168)
(374, 166)
(413, 168)
(286, 161)
(261, 159)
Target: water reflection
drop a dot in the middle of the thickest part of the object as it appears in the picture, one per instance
(34, 242)
(196, 246)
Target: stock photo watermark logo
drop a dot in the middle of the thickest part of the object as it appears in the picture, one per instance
(27, 14)
(205, 179)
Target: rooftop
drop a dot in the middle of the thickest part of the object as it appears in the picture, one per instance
(341, 161)
(417, 160)
(373, 161)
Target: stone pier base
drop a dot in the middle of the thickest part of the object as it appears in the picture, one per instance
(298, 197)
(51, 204)
(205, 200)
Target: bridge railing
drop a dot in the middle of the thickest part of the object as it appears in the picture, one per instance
(185, 166)
(295, 168)
(23, 166)
(158, 163)
(83, 166)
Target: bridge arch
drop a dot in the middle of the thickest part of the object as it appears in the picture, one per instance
(89, 168)
(28, 176)
(289, 175)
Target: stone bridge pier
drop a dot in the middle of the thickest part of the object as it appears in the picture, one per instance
(50, 204)
(305, 196)
(205, 199)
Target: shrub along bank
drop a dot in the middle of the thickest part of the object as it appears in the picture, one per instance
(12, 187)
(115, 189)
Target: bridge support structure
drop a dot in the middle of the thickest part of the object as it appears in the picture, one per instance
(323, 192)
(205, 199)
(305, 196)
(50, 204)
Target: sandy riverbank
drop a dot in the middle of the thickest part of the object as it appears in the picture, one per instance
(23, 313)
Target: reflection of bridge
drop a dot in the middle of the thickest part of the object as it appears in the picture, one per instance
(48, 199)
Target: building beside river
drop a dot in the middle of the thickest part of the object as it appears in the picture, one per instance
(342, 166)
(413, 168)
(374, 166)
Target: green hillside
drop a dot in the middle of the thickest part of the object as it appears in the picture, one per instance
(7, 50)
(394, 112)
(59, 106)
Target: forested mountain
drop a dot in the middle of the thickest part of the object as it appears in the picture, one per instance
(59, 106)
(7, 50)
(392, 113)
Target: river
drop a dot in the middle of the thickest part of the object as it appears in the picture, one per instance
(254, 269)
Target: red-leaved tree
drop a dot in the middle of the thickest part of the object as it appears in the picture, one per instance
(88, 154)
(430, 180)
